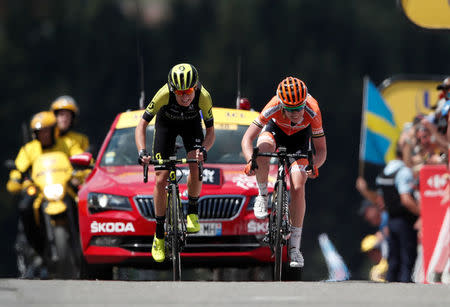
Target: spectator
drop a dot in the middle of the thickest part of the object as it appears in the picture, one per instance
(370, 195)
(440, 118)
(396, 185)
(408, 140)
(375, 217)
(422, 139)
(427, 146)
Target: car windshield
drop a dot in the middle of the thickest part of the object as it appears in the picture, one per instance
(121, 149)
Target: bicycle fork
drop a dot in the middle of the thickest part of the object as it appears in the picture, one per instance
(285, 224)
(285, 228)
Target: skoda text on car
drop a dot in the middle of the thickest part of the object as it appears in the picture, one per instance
(116, 214)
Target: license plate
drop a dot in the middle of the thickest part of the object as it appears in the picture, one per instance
(209, 229)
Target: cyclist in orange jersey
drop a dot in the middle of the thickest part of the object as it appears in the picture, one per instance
(290, 119)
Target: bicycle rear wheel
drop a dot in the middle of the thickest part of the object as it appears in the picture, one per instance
(277, 219)
(174, 240)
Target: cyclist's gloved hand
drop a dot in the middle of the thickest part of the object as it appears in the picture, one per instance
(142, 153)
(202, 149)
(250, 168)
(312, 172)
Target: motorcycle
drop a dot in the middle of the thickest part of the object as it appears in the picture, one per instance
(55, 212)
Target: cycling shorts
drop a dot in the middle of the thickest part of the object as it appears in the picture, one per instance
(166, 132)
(298, 142)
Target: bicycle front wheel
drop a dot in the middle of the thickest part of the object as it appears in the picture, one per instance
(174, 208)
(277, 218)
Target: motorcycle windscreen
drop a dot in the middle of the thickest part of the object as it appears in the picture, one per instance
(51, 168)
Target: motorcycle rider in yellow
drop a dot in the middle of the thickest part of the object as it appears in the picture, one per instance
(66, 111)
(46, 139)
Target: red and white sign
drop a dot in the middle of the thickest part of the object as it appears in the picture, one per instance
(435, 214)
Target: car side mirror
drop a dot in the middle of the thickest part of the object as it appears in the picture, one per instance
(82, 160)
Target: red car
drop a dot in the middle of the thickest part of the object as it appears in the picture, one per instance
(116, 214)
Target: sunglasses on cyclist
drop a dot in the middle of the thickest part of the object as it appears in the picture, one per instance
(296, 109)
(184, 92)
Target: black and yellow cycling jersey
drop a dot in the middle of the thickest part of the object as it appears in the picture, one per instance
(165, 105)
(174, 120)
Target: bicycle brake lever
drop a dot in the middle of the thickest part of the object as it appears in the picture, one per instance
(145, 173)
(254, 155)
(200, 171)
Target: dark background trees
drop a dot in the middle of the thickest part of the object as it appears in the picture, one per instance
(87, 49)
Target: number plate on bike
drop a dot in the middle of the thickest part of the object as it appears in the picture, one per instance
(209, 229)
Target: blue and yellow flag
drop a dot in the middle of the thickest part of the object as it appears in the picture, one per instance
(379, 131)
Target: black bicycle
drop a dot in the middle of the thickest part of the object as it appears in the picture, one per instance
(279, 225)
(175, 220)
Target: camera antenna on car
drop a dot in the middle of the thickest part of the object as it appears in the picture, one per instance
(238, 98)
(139, 55)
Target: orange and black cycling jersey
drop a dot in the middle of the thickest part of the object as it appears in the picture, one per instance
(164, 104)
(274, 110)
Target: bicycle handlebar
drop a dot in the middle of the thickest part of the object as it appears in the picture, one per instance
(281, 153)
(173, 162)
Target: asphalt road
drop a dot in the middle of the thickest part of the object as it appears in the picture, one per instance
(15, 292)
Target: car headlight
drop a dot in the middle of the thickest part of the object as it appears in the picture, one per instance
(54, 191)
(251, 203)
(98, 202)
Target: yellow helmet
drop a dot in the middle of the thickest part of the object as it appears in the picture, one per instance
(182, 77)
(368, 243)
(64, 103)
(44, 119)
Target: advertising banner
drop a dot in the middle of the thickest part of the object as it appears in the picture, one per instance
(435, 214)
(408, 96)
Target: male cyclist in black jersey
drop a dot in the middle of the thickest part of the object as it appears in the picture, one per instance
(177, 107)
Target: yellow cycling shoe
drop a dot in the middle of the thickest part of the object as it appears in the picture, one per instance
(192, 223)
(158, 252)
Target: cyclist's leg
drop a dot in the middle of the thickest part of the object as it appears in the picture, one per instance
(192, 135)
(297, 212)
(297, 143)
(297, 191)
(194, 188)
(194, 185)
(159, 201)
(159, 192)
(163, 147)
(266, 143)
